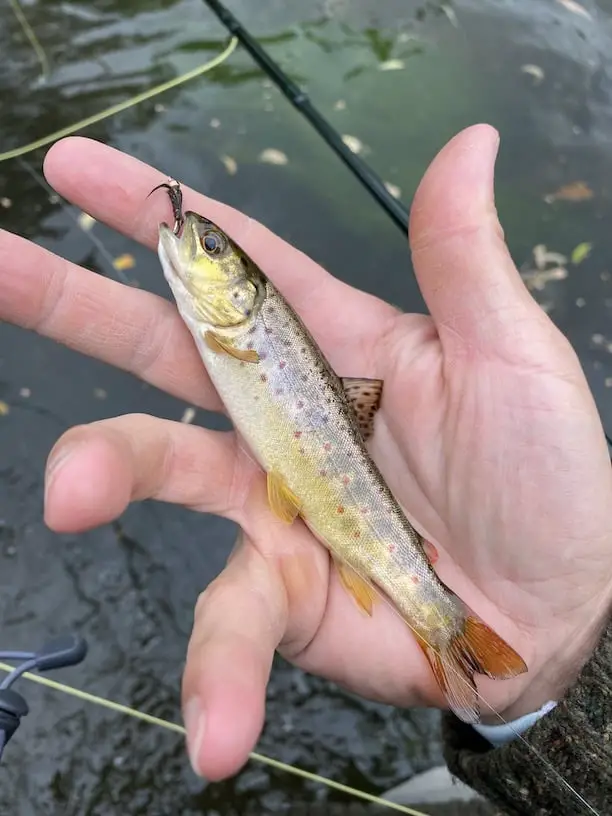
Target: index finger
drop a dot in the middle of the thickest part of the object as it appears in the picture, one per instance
(113, 187)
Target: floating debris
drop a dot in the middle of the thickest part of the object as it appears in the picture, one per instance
(273, 156)
(159, 107)
(575, 191)
(392, 65)
(123, 262)
(580, 302)
(5, 202)
(100, 393)
(231, 165)
(25, 393)
(538, 278)
(608, 382)
(215, 123)
(188, 415)
(340, 105)
(393, 189)
(86, 221)
(4, 408)
(353, 143)
(535, 71)
(575, 8)
(450, 13)
(581, 252)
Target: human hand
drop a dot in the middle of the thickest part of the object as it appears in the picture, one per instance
(487, 434)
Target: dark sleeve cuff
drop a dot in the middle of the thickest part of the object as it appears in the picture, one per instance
(575, 738)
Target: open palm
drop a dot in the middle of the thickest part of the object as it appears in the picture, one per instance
(488, 435)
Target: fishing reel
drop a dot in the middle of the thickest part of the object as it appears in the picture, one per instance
(58, 653)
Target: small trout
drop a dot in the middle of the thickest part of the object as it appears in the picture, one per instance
(307, 429)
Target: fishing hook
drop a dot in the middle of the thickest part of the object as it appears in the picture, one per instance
(175, 194)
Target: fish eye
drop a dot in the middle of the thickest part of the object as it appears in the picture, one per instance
(213, 243)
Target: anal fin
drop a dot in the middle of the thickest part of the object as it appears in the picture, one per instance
(283, 502)
(221, 346)
(363, 594)
(364, 396)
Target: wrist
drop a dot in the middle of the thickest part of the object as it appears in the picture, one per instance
(558, 668)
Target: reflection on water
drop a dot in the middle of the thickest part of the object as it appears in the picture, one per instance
(400, 80)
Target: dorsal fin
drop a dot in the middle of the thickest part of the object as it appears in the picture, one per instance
(364, 395)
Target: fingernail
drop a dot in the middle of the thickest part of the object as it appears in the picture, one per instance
(59, 459)
(195, 724)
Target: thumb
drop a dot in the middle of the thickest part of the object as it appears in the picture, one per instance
(470, 284)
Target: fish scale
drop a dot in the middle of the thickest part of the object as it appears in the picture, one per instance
(307, 428)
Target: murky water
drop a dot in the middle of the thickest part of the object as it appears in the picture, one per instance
(541, 74)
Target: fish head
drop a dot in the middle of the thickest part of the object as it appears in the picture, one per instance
(213, 281)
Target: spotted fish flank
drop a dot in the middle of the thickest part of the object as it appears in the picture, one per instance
(307, 428)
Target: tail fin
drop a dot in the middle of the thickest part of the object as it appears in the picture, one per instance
(475, 649)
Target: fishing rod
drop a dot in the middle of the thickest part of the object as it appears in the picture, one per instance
(58, 653)
(299, 99)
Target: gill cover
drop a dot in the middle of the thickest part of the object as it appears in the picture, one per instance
(206, 267)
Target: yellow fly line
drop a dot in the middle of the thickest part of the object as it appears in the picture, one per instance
(179, 729)
(122, 106)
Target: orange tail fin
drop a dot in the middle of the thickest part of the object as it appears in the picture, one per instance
(476, 649)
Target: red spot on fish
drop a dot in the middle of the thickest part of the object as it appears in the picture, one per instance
(327, 446)
(282, 364)
(263, 377)
(391, 548)
(340, 509)
(346, 480)
(297, 434)
(415, 579)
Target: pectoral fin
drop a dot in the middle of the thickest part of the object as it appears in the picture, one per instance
(221, 346)
(363, 594)
(283, 502)
(364, 395)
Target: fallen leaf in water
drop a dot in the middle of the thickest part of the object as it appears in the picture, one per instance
(4, 409)
(543, 256)
(393, 189)
(188, 415)
(575, 8)
(392, 65)
(575, 191)
(86, 221)
(6, 202)
(535, 71)
(123, 262)
(581, 252)
(353, 143)
(273, 156)
(231, 165)
(450, 13)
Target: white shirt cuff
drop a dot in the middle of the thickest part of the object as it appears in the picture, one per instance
(506, 732)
